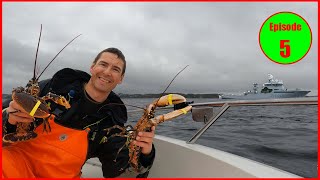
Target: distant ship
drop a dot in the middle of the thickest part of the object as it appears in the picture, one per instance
(273, 89)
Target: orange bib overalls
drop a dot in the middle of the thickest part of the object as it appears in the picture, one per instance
(56, 154)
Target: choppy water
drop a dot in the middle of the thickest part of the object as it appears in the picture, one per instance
(281, 136)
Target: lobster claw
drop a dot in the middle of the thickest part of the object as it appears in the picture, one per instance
(57, 99)
(170, 99)
(165, 117)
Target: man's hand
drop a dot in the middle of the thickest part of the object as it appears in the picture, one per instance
(144, 140)
(17, 114)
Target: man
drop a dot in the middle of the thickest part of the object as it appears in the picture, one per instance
(77, 133)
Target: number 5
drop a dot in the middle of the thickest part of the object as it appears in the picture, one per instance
(284, 46)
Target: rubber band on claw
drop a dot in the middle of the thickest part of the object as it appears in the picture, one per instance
(184, 111)
(34, 109)
(170, 99)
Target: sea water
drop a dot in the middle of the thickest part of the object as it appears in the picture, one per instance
(284, 137)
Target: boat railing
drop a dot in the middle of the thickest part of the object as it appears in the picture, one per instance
(204, 111)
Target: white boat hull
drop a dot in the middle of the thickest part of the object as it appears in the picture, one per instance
(273, 95)
(176, 158)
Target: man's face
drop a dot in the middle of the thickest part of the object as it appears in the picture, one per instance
(107, 72)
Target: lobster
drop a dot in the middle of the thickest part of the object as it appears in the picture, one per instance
(29, 101)
(145, 123)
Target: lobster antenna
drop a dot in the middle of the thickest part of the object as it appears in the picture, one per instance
(170, 83)
(126, 105)
(122, 105)
(35, 61)
(57, 55)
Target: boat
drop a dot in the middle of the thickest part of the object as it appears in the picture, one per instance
(274, 88)
(181, 159)
(178, 159)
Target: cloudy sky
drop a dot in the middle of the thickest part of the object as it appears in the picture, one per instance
(219, 42)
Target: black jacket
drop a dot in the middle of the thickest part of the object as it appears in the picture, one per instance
(69, 83)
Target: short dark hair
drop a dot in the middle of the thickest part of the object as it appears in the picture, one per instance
(116, 52)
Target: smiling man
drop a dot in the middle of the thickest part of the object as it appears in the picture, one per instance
(107, 72)
(77, 133)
